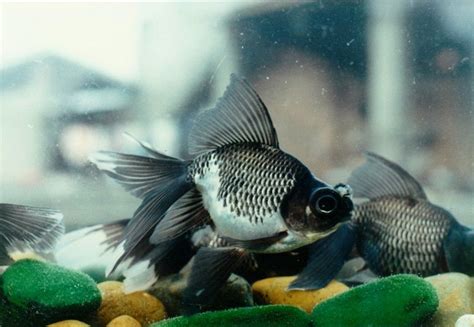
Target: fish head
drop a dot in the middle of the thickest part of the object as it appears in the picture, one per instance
(329, 206)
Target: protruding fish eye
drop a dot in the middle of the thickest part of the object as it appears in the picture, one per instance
(324, 201)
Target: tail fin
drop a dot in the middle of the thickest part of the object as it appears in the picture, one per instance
(98, 244)
(24, 227)
(159, 180)
(158, 260)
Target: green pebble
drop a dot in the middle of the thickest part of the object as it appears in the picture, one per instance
(45, 293)
(400, 300)
(269, 315)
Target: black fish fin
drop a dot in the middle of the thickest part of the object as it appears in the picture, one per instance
(25, 227)
(102, 239)
(239, 116)
(210, 270)
(138, 174)
(184, 215)
(114, 233)
(458, 247)
(257, 244)
(5, 259)
(326, 258)
(148, 215)
(159, 181)
(157, 260)
(381, 177)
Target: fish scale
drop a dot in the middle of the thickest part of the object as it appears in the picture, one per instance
(387, 234)
(252, 176)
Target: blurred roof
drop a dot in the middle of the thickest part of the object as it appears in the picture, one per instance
(61, 70)
(95, 100)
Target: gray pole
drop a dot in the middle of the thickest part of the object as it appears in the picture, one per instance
(386, 93)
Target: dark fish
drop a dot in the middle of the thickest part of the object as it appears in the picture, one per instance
(24, 227)
(397, 230)
(257, 198)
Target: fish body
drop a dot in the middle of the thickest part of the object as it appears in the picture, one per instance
(396, 229)
(28, 228)
(244, 188)
(402, 235)
(255, 197)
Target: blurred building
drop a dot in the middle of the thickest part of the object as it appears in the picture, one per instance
(59, 111)
(54, 114)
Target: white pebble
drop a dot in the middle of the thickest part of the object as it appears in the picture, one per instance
(465, 321)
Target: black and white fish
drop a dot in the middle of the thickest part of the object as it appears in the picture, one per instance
(256, 197)
(28, 228)
(398, 230)
(91, 249)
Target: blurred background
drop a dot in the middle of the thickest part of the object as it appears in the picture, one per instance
(338, 77)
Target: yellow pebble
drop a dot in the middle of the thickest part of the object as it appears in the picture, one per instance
(140, 305)
(124, 321)
(17, 255)
(456, 297)
(69, 323)
(275, 291)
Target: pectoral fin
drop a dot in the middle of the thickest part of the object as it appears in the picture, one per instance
(326, 258)
(210, 270)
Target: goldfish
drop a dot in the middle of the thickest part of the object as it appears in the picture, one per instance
(256, 197)
(396, 229)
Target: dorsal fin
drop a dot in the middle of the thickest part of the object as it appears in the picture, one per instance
(239, 116)
(380, 177)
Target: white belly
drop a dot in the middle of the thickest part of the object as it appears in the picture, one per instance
(227, 223)
(296, 240)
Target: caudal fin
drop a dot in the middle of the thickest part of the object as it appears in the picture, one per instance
(91, 246)
(159, 180)
(24, 227)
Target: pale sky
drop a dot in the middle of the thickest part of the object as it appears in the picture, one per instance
(104, 36)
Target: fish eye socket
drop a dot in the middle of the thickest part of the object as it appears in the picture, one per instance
(325, 202)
